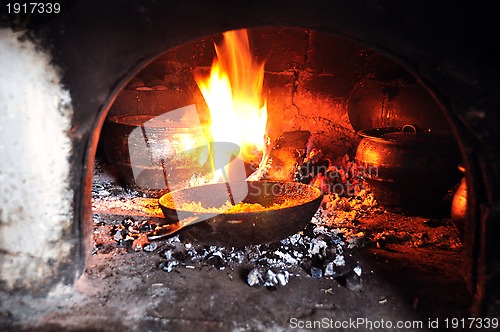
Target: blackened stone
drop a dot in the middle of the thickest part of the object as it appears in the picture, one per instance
(271, 279)
(170, 265)
(150, 247)
(128, 223)
(119, 235)
(168, 253)
(283, 277)
(147, 226)
(316, 272)
(255, 278)
(217, 261)
(329, 270)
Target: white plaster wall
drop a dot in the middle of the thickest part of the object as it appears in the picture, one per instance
(35, 195)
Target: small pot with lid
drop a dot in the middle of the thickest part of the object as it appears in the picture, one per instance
(408, 169)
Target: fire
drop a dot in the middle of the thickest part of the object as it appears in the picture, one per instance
(233, 93)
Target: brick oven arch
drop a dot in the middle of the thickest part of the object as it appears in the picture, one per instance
(100, 46)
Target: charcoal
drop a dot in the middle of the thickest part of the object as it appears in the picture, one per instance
(255, 277)
(283, 277)
(316, 272)
(169, 265)
(308, 232)
(150, 247)
(271, 279)
(296, 239)
(324, 237)
(317, 261)
(273, 262)
(329, 270)
(267, 278)
(168, 253)
(317, 246)
(193, 254)
(272, 246)
(262, 261)
(286, 242)
(237, 257)
(345, 266)
(129, 222)
(308, 170)
(216, 260)
(119, 235)
(173, 239)
(198, 253)
(339, 260)
(147, 226)
(286, 257)
(297, 254)
(357, 270)
(306, 265)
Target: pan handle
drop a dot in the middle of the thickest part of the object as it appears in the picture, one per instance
(170, 229)
(411, 127)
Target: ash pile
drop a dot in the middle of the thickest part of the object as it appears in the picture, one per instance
(318, 250)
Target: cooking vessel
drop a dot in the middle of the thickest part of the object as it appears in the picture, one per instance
(459, 202)
(287, 208)
(408, 169)
(392, 101)
(146, 149)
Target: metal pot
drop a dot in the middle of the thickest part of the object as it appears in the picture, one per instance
(391, 102)
(459, 202)
(409, 170)
(150, 152)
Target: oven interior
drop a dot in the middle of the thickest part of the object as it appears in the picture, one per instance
(329, 88)
(321, 90)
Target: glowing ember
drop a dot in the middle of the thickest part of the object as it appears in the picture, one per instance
(233, 93)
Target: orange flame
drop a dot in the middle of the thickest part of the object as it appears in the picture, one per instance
(233, 93)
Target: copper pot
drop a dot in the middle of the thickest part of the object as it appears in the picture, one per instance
(391, 102)
(459, 202)
(408, 169)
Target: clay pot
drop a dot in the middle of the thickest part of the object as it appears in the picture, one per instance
(409, 170)
(393, 102)
(459, 202)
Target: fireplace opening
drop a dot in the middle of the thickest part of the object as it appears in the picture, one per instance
(84, 254)
(328, 100)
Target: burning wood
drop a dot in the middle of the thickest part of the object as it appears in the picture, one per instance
(238, 113)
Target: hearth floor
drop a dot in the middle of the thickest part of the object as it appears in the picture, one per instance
(410, 273)
(127, 292)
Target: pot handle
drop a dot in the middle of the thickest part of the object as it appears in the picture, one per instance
(411, 126)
